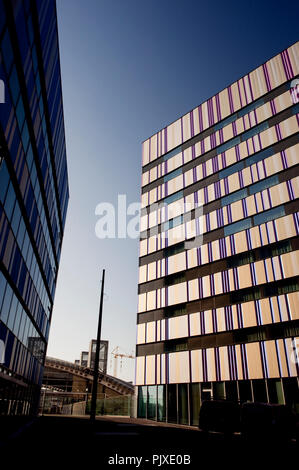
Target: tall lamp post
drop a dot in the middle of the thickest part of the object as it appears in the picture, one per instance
(97, 357)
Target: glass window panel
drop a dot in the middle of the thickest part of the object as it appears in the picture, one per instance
(172, 403)
(250, 107)
(7, 51)
(9, 201)
(245, 391)
(16, 218)
(269, 215)
(2, 288)
(195, 403)
(25, 137)
(231, 391)
(173, 197)
(6, 304)
(218, 391)
(12, 312)
(275, 391)
(14, 85)
(237, 227)
(4, 180)
(142, 399)
(161, 403)
(151, 402)
(267, 183)
(172, 175)
(233, 197)
(228, 145)
(171, 154)
(183, 404)
(230, 170)
(20, 113)
(259, 391)
(255, 130)
(224, 123)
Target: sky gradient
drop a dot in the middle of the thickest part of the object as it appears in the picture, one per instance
(128, 69)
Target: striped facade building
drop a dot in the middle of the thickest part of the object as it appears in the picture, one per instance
(218, 287)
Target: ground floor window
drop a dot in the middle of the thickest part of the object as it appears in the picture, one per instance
(180, 403)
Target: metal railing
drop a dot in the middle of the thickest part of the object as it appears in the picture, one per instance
(114, 382)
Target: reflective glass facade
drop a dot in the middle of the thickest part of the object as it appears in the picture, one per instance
(219, 250)
(33, 194)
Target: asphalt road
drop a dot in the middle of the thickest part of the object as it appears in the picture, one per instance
(116, 444)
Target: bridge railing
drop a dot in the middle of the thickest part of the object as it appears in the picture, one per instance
(87, 370)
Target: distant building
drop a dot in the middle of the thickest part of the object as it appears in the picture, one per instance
(33, 195)
(84, 358)
(218, 313)
(87, 357)
(103, 355)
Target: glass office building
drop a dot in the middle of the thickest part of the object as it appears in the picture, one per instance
(219, 250)
(33, 194)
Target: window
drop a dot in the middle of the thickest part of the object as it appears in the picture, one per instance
(267, 183)
(172, 175)
(14, 85)
(175, 279)
(257, 157)
(269, 215)
(240, 260)
(224, 123)
(20, 113)
(250, 107)
(6, 304)
(175, 312)
(173, 197)
(9, 201)
(295, 109)
(4, 180)
(233, 197)
(255, 130)
(237, 227)
(230, 170)
(7, 51)
(228, 145)
(171, 154)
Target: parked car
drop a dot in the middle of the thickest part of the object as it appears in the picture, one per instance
(267, 421)
(219, 415)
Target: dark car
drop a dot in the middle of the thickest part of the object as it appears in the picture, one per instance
(220, 416)
(267, 421)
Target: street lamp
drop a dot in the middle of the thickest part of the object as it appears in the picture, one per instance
(97, 357)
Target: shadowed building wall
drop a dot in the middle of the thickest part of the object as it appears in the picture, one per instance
(33, 194)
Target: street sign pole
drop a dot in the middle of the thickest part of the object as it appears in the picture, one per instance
(97, 357)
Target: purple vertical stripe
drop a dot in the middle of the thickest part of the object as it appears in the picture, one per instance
(245, 93)
(230, 99)
(267, 78)
(218, 107)
(285, 65)
(238, 82)
(250, 87)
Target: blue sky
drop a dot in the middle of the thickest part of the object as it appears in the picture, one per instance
(129, 68)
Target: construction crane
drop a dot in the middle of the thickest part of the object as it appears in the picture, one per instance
(116, 353)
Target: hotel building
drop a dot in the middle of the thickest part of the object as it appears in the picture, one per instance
(219, 250)
(33, 195)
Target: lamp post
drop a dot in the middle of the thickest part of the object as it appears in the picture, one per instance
(97, 357)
